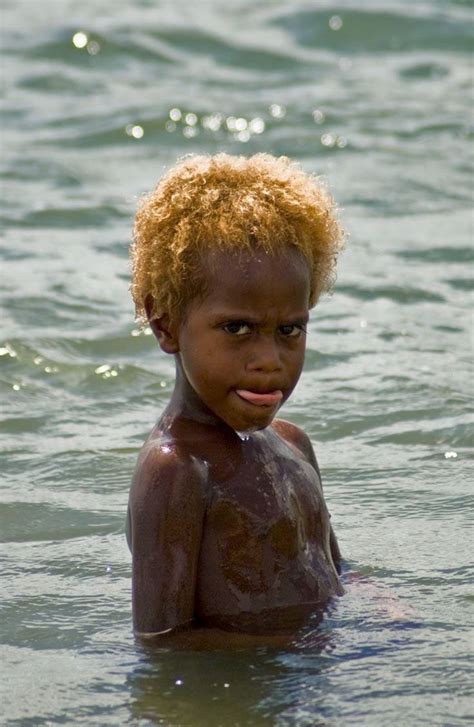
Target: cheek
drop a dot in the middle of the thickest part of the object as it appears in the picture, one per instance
(296, 352)
(297, 362)
(201, 365)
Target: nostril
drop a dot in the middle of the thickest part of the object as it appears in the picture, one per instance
(266, 358)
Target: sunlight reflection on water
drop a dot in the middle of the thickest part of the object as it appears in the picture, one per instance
(97, 106)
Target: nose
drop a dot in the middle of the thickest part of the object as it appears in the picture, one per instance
(265, 355)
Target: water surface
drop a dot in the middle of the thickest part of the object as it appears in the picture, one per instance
(374, 96)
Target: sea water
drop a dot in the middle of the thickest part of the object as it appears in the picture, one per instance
(99, 99)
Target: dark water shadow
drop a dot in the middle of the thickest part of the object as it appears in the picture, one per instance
(243, 686)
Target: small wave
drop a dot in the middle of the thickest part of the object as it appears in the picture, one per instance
(360, 31)
(424, 71)
(405, 295)
(452, 254)
(464, 284)
(457, 435)
(48, 522)
(67, 217)
(112, 48)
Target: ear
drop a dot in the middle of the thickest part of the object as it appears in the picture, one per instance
(165, 332)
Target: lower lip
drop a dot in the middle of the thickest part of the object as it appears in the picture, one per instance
(271, 399)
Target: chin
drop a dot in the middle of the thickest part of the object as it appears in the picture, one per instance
(252, 426)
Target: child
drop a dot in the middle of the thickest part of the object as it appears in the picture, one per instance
(228, 525)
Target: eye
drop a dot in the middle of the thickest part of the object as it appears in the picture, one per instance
(292, 330)
(237, 328)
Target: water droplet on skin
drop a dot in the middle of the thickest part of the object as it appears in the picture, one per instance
(243, 436)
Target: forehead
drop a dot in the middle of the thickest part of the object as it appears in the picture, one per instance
(255, 279)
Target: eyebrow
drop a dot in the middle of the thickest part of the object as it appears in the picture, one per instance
(236, 315)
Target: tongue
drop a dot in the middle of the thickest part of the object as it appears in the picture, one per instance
(270, 399)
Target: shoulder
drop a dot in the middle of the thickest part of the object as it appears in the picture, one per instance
(296, 437)
(164, 464)
(168, 487)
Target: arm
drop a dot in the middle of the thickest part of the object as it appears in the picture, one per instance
(299, 439)
(167, 505)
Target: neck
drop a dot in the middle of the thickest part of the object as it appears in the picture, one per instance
(186, 404)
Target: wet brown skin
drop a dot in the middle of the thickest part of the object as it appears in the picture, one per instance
(232, 535)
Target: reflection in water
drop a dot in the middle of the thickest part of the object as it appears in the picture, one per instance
(297, 684)
(252, 685)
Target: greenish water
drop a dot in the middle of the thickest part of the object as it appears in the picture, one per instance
(377, 97)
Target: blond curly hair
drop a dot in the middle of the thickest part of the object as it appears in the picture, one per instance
(229, 203)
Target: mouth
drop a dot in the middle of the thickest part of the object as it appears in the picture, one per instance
(270, 398)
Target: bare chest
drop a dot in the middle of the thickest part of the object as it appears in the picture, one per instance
(272, 498)
(265, 536)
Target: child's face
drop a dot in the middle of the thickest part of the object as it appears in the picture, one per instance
(242, 347)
